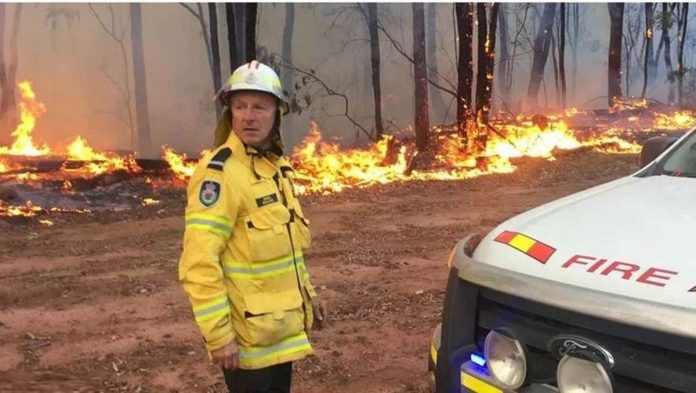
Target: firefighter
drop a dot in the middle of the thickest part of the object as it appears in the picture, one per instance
(242, 263)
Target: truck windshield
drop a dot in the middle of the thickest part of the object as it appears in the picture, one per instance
(682, 160)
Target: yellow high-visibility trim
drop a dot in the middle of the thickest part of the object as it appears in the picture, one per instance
(522, 242)
(292, 344)
(217, 313)
(263, 269)
(209, 228)
(433, 353)
(210, 217)
(214, 308)
(476, 385)
(208, 222)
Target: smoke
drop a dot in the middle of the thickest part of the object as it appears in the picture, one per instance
(78, 70)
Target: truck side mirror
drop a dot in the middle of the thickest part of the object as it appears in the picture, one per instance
(653, 147)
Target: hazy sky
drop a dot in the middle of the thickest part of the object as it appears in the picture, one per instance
(71, 60)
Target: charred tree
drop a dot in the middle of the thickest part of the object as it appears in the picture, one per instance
(140, 81)
(666, 45)
(3, 75)
(215, 52)
(504, 83)
(210, 40)
(484, 79)
(232, 36)
(465, 68)
(251, 12)
(8, 71)
(542, 43)
(561, 53)
(481, 56)
(648, 55)
(420, 75)
(288, 72)
(375, 60)
(575, 41)
(616, 12)
(288, 32)
(681, 37)
(118, 35)
(438, 103)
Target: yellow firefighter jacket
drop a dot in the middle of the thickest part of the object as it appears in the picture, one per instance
(242, 264)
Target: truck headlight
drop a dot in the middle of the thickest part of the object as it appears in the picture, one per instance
(577, 375)
(506, 360)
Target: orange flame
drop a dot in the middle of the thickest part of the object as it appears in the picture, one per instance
(324, 167)
(30, 110)
(676, 121)
(177, 163)
(79, 150)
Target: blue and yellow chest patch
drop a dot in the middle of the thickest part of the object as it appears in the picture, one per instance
(210, 193)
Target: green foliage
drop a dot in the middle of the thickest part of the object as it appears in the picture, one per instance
(664, 20)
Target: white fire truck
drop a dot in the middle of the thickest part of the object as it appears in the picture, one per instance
(591, 293)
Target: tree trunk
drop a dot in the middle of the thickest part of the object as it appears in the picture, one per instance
(488, 63)
(648, 47)
(231, 36)
(481, 56)
(215, 52)
(561, 54)
(139, 80)
(375, 60)
(240, 14)
(10, 110)
(250, 30)
(5, 122)
(666, 43)
(576, 32)
(438, 103)
(542, 42)
(465, 67)
(420, 75)
(680, 52)
(504, 85)
(616, 11)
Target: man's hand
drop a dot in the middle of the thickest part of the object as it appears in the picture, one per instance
(320, 312)
(227, 356)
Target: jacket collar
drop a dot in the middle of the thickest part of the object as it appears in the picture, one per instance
(262, 165)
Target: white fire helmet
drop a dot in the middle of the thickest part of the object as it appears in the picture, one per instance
(254, 76)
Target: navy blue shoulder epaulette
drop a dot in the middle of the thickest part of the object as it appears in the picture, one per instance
(218, 160)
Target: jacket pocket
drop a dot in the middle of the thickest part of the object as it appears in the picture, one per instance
(268, 234)
(300, 231)
(271, 317)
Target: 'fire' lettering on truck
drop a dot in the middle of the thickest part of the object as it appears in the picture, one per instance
(651, 276)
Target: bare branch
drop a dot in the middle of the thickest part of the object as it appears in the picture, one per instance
(330, 92)
(108, 31)
(397, 46)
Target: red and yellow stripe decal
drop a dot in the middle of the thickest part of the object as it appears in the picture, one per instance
(532, 247)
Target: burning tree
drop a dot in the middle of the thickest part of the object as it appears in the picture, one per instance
(8, 70)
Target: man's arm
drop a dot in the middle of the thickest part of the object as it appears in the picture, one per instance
(210, 214)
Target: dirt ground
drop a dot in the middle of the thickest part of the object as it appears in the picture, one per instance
(92, 304)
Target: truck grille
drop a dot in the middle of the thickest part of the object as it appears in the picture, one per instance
(646, 361)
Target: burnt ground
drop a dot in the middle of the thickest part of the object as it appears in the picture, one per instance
(92, 304)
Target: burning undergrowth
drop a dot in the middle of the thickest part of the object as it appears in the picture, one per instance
(40, 182)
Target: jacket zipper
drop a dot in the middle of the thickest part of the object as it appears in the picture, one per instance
(292, 245)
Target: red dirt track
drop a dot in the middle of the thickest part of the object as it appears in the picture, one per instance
(92, 304)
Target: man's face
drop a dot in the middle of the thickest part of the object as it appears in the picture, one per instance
(253, 115)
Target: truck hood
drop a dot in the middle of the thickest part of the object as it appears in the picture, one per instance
(633, 237)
